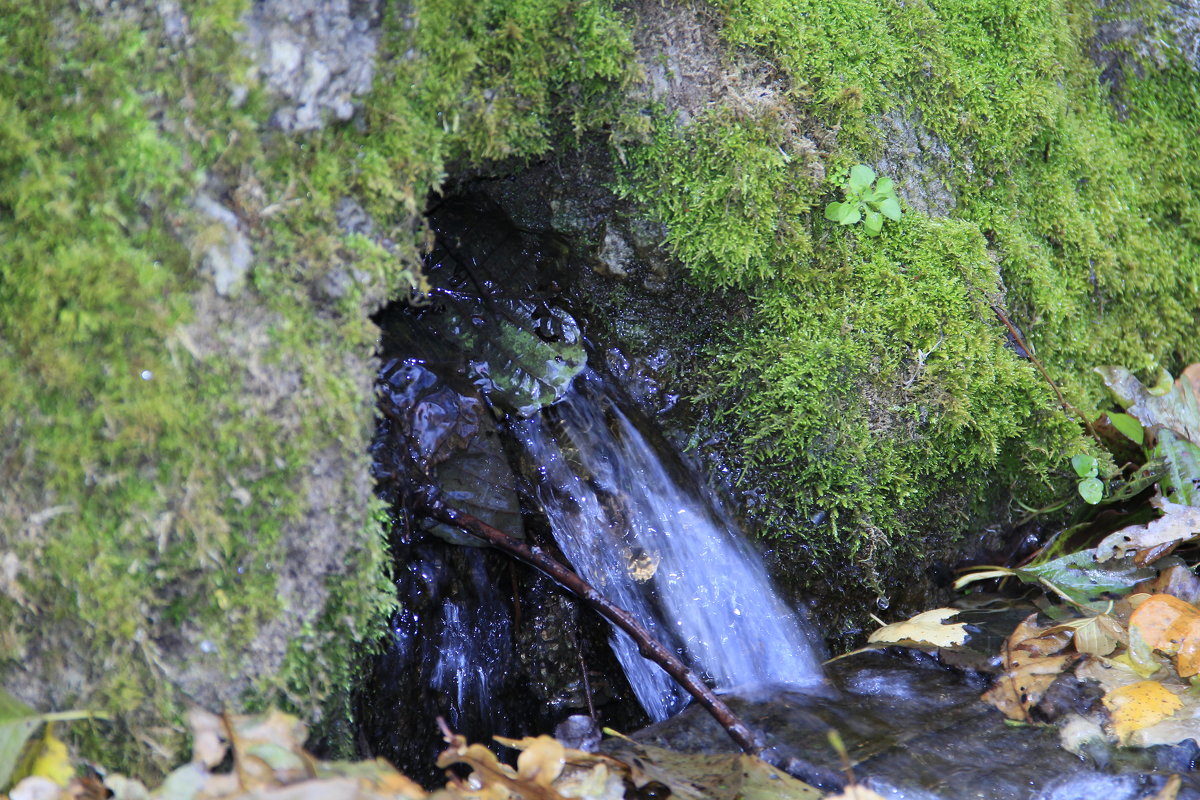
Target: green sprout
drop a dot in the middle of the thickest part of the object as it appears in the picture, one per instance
(1091, 488)
(863, 202)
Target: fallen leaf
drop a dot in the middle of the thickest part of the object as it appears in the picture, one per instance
(1171, 626)
(52, 760)
(36, 787)
(124, 788)
(17, 723)
(711, 777)
(542, 762)
(1177, 580)
(927, 628)
(1028, 669)
(1022, 685)
(1176, 408)
(1170, 789)
(1098, 635)
(208, 737)
(594, 783)
(1138, 706)
(1179, 524)
(1180, 481)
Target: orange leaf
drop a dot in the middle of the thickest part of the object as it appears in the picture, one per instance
(1157, 616)
(1187, 662)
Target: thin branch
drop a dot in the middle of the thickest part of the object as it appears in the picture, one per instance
(1019, 338)
(648, 646)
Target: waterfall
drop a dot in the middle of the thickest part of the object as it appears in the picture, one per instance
(657, 545)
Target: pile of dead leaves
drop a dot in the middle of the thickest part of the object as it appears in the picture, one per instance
(1121, 616)
(262, 757)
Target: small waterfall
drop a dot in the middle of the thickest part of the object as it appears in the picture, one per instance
(656, 546)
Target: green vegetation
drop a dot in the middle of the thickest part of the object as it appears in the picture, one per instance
(873, 375)
(1090, 487)
(159, 474)
(158, 441)
(865, 202)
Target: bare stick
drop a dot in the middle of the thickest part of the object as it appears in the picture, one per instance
(1019, 338)
(648, 646)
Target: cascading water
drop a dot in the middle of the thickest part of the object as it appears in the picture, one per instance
(649, 540)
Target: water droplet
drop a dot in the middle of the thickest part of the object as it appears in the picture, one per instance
(207, 647)
(147, 374)
(883, 602)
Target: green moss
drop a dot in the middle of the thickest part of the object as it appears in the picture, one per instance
(864, 387)
(872, 381)
(150, 504)
(733, 196)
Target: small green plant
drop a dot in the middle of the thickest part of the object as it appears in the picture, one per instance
(870, 204)
(1091, 488)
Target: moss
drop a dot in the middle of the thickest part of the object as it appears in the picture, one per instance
(872, 379)
(732, 194)
(164, 446)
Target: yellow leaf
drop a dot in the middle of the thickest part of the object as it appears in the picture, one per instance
(52, 760)
(927, 628)
(542, 762)
(1139, 705)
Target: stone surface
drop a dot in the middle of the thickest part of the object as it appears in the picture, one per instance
(316, 56)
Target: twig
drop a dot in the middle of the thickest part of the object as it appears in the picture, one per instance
(1019, 338)
(648, 646)
(427, 501)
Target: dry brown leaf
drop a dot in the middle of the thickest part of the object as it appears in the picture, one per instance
(1028, 669)
(1021, 687)
(208, 737)
(542, 762)
(926, 628)
(1179, 581)
(1178, 524)
(1098, 635)
(1139, 705)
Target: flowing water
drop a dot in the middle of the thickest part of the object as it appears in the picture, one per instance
(651, 539)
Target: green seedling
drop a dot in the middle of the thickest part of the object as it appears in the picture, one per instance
(1091, 488)
(866, 202)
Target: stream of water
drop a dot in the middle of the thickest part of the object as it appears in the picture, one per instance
(651, 539)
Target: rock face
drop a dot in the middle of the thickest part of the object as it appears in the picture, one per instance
(317, 58)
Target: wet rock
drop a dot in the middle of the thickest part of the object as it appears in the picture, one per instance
(615, 255)
(918, 161)
(227, 256)
(580, 732)
(1129, 39)
(915, 729)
